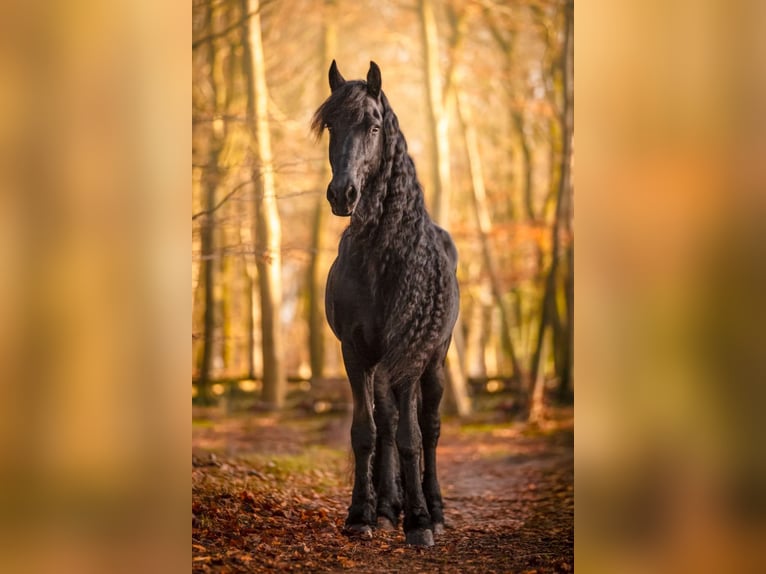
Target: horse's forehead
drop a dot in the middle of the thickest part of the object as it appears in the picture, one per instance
(375, 109)
(371, 109)
(360, 106)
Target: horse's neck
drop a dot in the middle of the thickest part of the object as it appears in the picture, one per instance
(393, 240)
(384, 209)
(393, 222)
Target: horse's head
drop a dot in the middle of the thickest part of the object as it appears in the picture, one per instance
(353, 114)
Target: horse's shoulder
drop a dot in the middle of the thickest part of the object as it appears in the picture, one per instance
(348, 270)
(448, 246)
(345, 241)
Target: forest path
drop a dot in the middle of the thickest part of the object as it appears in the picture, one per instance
(270, 493)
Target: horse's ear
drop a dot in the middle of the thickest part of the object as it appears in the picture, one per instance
(336, 80)
(373, 80)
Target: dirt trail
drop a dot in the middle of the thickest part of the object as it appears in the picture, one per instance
(273, 496)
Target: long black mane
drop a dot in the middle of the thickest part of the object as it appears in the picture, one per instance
(400, 245)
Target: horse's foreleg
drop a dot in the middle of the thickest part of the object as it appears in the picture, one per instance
(432, 387)
(417, 521)
(361, 513)
(386, 465)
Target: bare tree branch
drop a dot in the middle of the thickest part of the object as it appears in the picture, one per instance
(231, 27)
(220, 203)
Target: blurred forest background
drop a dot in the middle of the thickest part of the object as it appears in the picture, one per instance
(483, 92)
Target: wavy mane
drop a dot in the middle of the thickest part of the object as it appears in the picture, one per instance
(403, 250)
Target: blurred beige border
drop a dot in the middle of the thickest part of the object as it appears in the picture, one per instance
(94, 300)
(670, 148)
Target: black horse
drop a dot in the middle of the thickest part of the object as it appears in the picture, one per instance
(392, 300)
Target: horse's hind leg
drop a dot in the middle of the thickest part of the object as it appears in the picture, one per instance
(417, 521)
(432, 388)
(361, 513)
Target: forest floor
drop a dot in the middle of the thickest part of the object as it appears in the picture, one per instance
(270, 492)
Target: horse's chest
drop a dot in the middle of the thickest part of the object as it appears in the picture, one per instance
(350, 297)
(352, 307)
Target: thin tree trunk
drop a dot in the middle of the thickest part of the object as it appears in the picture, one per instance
(246, 234)
(555, 155)
(268, 234)
(517, 117)
(210, 182)
(484, 225)
(316, 275)
(526, 154)
(567, 355)
(486, 336)
(228, 311)
(198, 317)
(548, 302)
(566, 382)
(558, 328)
(315, 286)
(251, 295)
(226, 71)
(527, 190)
(537, 401)
(567, 131)
(438, 120)
(476, 364)
(456, 399)
(208, 274)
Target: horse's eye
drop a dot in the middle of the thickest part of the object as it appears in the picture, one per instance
(374, 129)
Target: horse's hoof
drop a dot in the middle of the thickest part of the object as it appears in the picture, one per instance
(362, 531)
(438, 528)
(420, 537)
(385, 524)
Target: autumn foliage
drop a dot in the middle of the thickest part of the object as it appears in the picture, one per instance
(280, 503)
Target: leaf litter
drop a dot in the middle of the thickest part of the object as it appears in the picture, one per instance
(279, 504)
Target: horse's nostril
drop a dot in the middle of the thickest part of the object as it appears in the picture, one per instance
(352, 194)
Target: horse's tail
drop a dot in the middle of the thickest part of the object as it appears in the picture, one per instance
(401, 367)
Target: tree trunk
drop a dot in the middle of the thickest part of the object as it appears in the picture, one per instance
(477, 339)
(315, 286)
(517, 117)
(316, 274)
(210, 182)
(456, 395)
(225, 263)
(566, 374)
(226, 302)
(562, 201)
(537, 401)
(526, 154)
(548, 302)
(208, 273)
(268, 234)
(251, 295)
(486, 336)
(438, 120)
(456, 399)
(484, 225)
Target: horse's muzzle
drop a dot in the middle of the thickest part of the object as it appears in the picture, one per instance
(342, 202)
